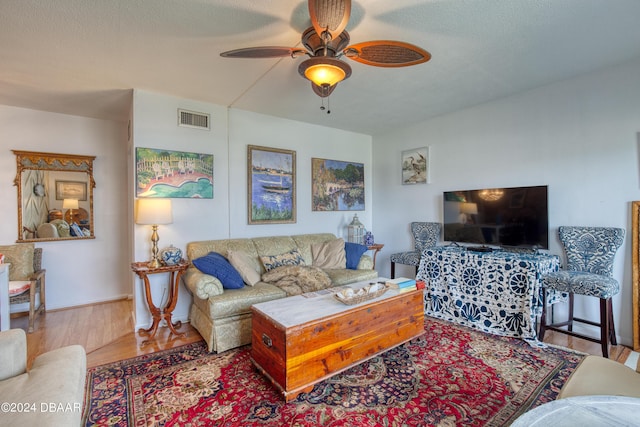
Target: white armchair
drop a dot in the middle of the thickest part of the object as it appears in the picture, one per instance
(597, 376)
(49, 394)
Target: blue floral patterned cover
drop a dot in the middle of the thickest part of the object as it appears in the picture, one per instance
(497, 292)
(425, 234)
(590, 252)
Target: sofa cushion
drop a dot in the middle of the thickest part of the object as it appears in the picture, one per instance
(303, 243)
(62, 226)
(329, 254)
(236, 302)
(344, 276)
(272, 245)
(216, 265)
(241, 262)
(292, 257)
(353, 253)
(20, 256)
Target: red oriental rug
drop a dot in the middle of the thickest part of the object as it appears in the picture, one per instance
(450, 376)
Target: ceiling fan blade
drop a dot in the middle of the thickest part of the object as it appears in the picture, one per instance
(263, 52)
(387, 53)
(331, 16)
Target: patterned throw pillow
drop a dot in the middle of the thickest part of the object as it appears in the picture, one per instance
(290, 258)
(216, 265)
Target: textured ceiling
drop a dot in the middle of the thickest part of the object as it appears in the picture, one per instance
(82, 57)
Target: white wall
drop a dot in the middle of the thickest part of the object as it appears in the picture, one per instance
(224, 216)
(78, 272)
(308, 141)
(578, 136)
(155, 125)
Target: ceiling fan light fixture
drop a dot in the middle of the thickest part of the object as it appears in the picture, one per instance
(324, 71)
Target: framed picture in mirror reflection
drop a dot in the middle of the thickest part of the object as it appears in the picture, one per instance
(71, 190)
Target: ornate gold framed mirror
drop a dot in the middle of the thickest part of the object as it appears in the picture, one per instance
(55, 196)
(635, 262)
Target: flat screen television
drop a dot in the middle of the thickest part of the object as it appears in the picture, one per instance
(515, 216)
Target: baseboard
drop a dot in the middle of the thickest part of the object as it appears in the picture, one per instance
(98, 302)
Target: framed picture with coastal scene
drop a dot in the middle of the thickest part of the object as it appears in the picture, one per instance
(415, 166)
(173, 174)
(337, 185)
(271, 181)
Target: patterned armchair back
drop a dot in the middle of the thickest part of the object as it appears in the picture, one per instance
(425, 234)
(591, 249)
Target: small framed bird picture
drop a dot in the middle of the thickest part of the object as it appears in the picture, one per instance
(415, 166)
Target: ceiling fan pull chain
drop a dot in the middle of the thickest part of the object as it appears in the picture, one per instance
(328, 105)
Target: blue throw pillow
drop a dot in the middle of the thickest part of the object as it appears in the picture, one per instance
(216, 265)
(354, 251)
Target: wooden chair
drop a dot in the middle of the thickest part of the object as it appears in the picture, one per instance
(25, 273)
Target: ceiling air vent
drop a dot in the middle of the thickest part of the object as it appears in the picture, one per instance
(191, 119)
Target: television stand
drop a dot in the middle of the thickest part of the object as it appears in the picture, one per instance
(496, 292)
(479, 249)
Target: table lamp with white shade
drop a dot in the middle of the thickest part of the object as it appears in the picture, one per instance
(70, 204)
(154, 212)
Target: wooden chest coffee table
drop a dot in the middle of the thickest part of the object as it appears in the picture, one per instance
(301, 340)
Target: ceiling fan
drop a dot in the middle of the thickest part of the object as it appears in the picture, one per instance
(327, 42)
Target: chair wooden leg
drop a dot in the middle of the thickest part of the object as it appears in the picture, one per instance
(543, 316)
(393, 270)
(612, 327)
(42, 294)
(604, 327)
(32, 306)
(570, 324)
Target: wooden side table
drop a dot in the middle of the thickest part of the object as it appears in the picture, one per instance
(376, 247)
(142, 269)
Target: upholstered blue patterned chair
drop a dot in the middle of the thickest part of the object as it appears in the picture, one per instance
(589, 255)
(425, 234)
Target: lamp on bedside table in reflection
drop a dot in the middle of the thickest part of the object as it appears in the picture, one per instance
(70, 204)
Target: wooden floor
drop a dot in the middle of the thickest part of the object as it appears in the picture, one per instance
(106, 331)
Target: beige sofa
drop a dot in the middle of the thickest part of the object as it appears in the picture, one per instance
(223, 316)
(50, 393)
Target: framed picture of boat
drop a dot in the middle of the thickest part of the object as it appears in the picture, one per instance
(271, 182)
(337, 185)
